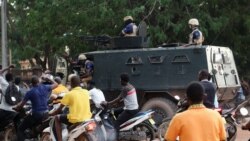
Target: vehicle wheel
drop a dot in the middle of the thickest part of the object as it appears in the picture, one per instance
(86, 137)
(162, 129)
(45, 137)
(163, 108)
(147, 128)
(10, 134)
(231, 130)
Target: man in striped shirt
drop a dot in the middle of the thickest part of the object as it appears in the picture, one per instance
(129, 96)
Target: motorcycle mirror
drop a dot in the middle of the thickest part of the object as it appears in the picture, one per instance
(243, 111)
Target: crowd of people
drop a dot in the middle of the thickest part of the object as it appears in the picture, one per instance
(47, 88)
(201, 96)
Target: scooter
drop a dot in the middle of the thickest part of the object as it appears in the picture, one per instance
(140, 127)
(76, 132)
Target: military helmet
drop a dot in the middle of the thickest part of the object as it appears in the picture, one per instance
(193, 21)
(128, 18)
(82, 57)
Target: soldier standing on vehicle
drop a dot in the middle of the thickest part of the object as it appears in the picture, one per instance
(198, 123)
(130, 28)
(196, 36)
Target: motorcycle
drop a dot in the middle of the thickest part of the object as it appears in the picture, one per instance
(33, 133)
(228, 116)
(140, 127)
(76, 132)
(231, 123)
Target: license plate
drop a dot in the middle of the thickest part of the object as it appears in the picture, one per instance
(151, 121)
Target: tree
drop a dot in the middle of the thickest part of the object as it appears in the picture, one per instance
(44, 28)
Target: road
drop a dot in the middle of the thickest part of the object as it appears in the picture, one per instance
(242, 135)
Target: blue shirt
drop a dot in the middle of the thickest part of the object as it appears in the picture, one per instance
(89, 66)
(196, 34)
(128, 28)
(39, 96)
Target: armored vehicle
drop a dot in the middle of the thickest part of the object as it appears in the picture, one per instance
(161, 74)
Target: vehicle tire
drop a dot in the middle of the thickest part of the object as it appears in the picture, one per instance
(163, 108)
(86, 137)
(162, 129)
(147, 128)
(10, 134)
(231, 130)
(45, 137)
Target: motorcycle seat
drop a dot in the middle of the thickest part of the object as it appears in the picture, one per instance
(226, 111)
(142, 113)
(73, 126)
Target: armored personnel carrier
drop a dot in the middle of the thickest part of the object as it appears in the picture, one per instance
(161, 74)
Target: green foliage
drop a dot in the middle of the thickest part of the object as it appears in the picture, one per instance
(46, 27)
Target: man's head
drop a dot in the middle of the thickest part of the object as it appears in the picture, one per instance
(90, 85)
(128, 19)
(17, 80)
(195, 93)
(60, 74)
(203, 74)
(74, 81)
(35, 80)
(9, 77)
(58, 80)
(124, 78)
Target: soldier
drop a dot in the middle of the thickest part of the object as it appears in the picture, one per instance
(87, 69)
(130, 29)
(195, 37)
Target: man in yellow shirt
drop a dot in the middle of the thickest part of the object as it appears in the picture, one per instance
(79, 107)
(198, 123)
(60, 89)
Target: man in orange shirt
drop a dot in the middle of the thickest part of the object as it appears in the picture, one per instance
(198, 123)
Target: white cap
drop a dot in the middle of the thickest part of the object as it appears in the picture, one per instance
(193, 21)
(82, 57)
(128, 18)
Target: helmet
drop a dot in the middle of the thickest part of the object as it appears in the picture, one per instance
(82, 57)
(128, 18)
(193, 22)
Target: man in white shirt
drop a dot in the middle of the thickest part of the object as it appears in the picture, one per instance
(96, 94)
(6, 111)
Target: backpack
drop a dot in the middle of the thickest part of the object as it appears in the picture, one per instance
(12, 95)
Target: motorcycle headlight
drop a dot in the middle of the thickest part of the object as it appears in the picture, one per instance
(243, 111)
